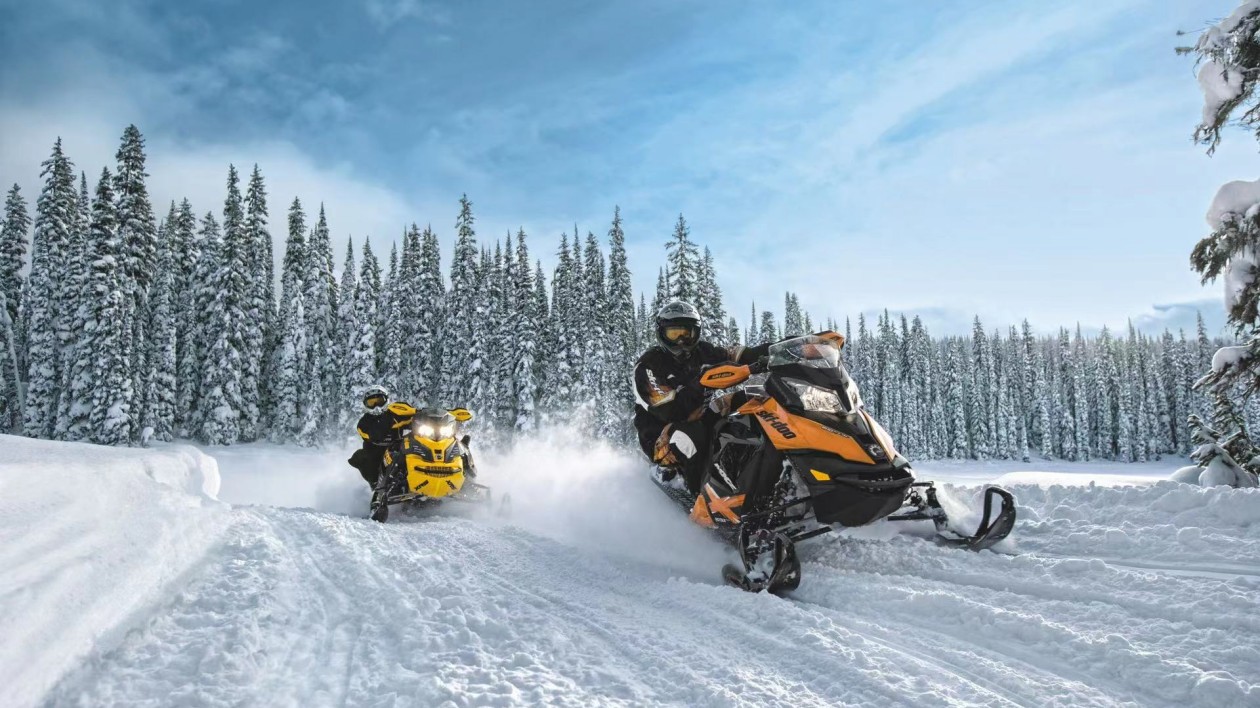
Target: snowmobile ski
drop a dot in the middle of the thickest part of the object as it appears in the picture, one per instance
(922, 497)
(769, 563)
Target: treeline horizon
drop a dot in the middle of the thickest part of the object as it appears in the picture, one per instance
(130, 328)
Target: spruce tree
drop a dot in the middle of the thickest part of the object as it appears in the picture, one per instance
(258, 342)
(348, 331)
(769, 332)
(684, 262)
(56, 213)
(222, 395)
(623, 349)
(74, 406)
(13, 245)
(109, 335)
(709, 302)
(320, 373)
(361, 345)
(159, 420)
(202, 334)
(433, 288)
(186, 247)
(458, 339)
(291, 398)
(138, 232)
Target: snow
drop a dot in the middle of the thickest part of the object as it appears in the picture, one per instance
(597, 591)
(1220, 84)
(93, 538)
(1232, 200)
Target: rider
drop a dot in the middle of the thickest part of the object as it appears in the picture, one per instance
(382, 425)
(673, 423)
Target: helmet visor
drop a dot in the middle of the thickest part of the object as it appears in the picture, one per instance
(375, 400)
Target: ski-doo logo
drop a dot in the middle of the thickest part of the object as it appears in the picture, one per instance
(779, 426)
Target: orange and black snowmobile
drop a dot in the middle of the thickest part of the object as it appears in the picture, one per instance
(795, 454)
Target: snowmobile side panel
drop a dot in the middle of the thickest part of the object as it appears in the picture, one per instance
(851, 495)
(787, 431)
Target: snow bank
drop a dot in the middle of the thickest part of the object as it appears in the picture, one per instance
(92, 538)
(1167, 522)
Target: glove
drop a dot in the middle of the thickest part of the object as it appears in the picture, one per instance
(760, 366)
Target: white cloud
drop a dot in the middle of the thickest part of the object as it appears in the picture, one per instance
(387, 13)
(198, 171)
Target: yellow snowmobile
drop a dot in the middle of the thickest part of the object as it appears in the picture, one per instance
(429, 464)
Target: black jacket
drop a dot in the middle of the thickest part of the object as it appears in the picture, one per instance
(667, 389)
(378, 431)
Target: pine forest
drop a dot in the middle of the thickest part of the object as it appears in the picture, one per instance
(122, 322)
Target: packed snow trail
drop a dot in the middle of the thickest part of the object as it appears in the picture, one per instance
(597, 591)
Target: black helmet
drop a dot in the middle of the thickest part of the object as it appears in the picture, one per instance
(678, 327)
(374, 399)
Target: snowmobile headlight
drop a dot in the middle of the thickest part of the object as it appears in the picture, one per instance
(446, 431)
(426, 431)
(814, 398)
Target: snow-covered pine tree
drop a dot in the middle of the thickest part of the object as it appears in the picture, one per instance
(525, 338)
(159, 420)
(709, 298)
(347, 329)
(593, 332)
(321, 374)
(389, 335)
(13, 245)
(733, 333)
(684, 263)
(955, 397)
(412, 359)
(753, 334)
(458, 337)
(623, 348)
(186, 247)
(1064, 393)
(561, 375)
(481, 392)
(260, 310)
(74, 408)
(644, 321)
(662, 294)
(1228, 58)
(793, 321)
(221, 400)
(432, 285)
(56, 213)
(1082, 384)
(137, 229)
(109, 334)
(1107, 402)
(361, 345)
(205, 280)
(546, 339)
(10, 369)
(290, 399)
(769, 331)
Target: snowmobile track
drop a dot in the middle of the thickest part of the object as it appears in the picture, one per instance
(299, 607)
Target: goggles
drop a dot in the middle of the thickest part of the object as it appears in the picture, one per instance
(374, 401)
(676, 334)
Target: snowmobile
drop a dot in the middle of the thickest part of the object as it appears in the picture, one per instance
(428, 465)
(795, 455)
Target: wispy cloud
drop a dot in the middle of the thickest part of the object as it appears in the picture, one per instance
(1008, 160)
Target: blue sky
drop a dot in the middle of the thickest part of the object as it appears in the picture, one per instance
(1011, 159)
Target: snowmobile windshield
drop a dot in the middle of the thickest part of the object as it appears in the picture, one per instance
(810, 351)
